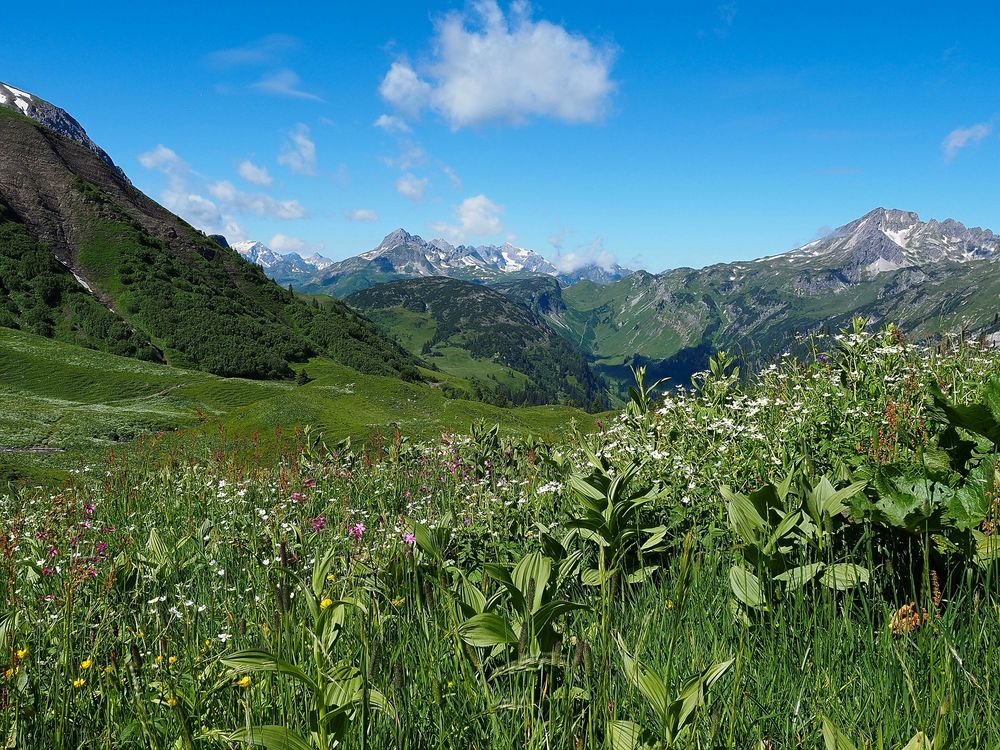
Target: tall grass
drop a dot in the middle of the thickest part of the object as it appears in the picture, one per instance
(356, 597)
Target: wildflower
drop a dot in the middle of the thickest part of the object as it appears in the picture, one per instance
(244, 681)
(86, 664)
(22, 654)
(330, 577)
(357, 530)
(398, 601)
(298, 496)
(11, 671)
(318, 523)
(171, 701)
(409, 538)
(171, 660)
(79, 682)
(326, 603)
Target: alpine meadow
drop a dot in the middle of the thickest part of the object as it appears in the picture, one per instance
(483, 376)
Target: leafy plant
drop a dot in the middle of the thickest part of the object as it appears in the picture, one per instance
(785, 532)
(674, 718)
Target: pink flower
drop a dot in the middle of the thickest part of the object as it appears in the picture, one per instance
(298, 496)
(90, 508)
(318, 523)
(310, 482)
(356, 530)
(409, 538)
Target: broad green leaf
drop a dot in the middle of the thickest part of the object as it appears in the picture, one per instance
(746, 587)
(919, 741)
(648, 683)
(834, 738)
(532, 567)
(270, 737)
(158, 551)
(843, 576)
(594, 576)
(624, 735)
(253, 660)
(743, 516)
(681, 712)
(486, 630)
(320, 571)
(547, 613)
(641, 575)
(798, 577)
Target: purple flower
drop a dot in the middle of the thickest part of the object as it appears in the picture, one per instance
(409, 538)
(297, 496)
(356, 530)
(319, 523)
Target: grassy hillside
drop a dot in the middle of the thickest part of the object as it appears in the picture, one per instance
(82, 403)
(474, 332)
(198, 303)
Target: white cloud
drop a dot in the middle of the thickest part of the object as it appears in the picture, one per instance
(960, 138)
(258, 204)
(299, 151)
(477, 216)
(162, 159)
(366, 215)
(488, 67)
(404, 89)
(592, 254)
(391, 124)
(265, 51)
(412, 187)
(284, 243)
(284, 83)
(455, 180)
(253, 173)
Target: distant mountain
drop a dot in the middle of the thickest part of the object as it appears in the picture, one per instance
(88, 259)
(888, 266)
(504, 349)
(402, 255)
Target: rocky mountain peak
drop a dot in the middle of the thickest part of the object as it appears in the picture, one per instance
(52, 117)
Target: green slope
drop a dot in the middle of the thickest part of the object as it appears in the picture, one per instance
(475, 332)
(197, 303)
(83, 403)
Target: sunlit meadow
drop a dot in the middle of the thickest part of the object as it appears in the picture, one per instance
(799, 556)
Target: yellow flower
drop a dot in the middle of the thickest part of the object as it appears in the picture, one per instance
(244, 681)
(79, 682)
(159, 659)
(9, 673)
(171, 701)
(451, 684)
(22, 653)
(670, 603)
(330, 578)
(326, 603)
(172, 660)
(398, 601)
(86, 664)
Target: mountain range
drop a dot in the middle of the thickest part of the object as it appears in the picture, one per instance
(402, 255)
(88, 259)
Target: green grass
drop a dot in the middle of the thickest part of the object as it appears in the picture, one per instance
(149, 606)
(85, 403)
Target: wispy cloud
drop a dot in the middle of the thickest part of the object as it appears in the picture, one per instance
(257, 204)
(284, 243)
(391, 124)
(477, 216)
(595, 253)
(253, 173)
(961, 138)
(162, 159)
(364, 215)
(492, 67)
(265, 51)
(412, 187)
(298, 152)
(285, 82)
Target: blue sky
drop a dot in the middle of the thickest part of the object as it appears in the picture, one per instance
(680, 134)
